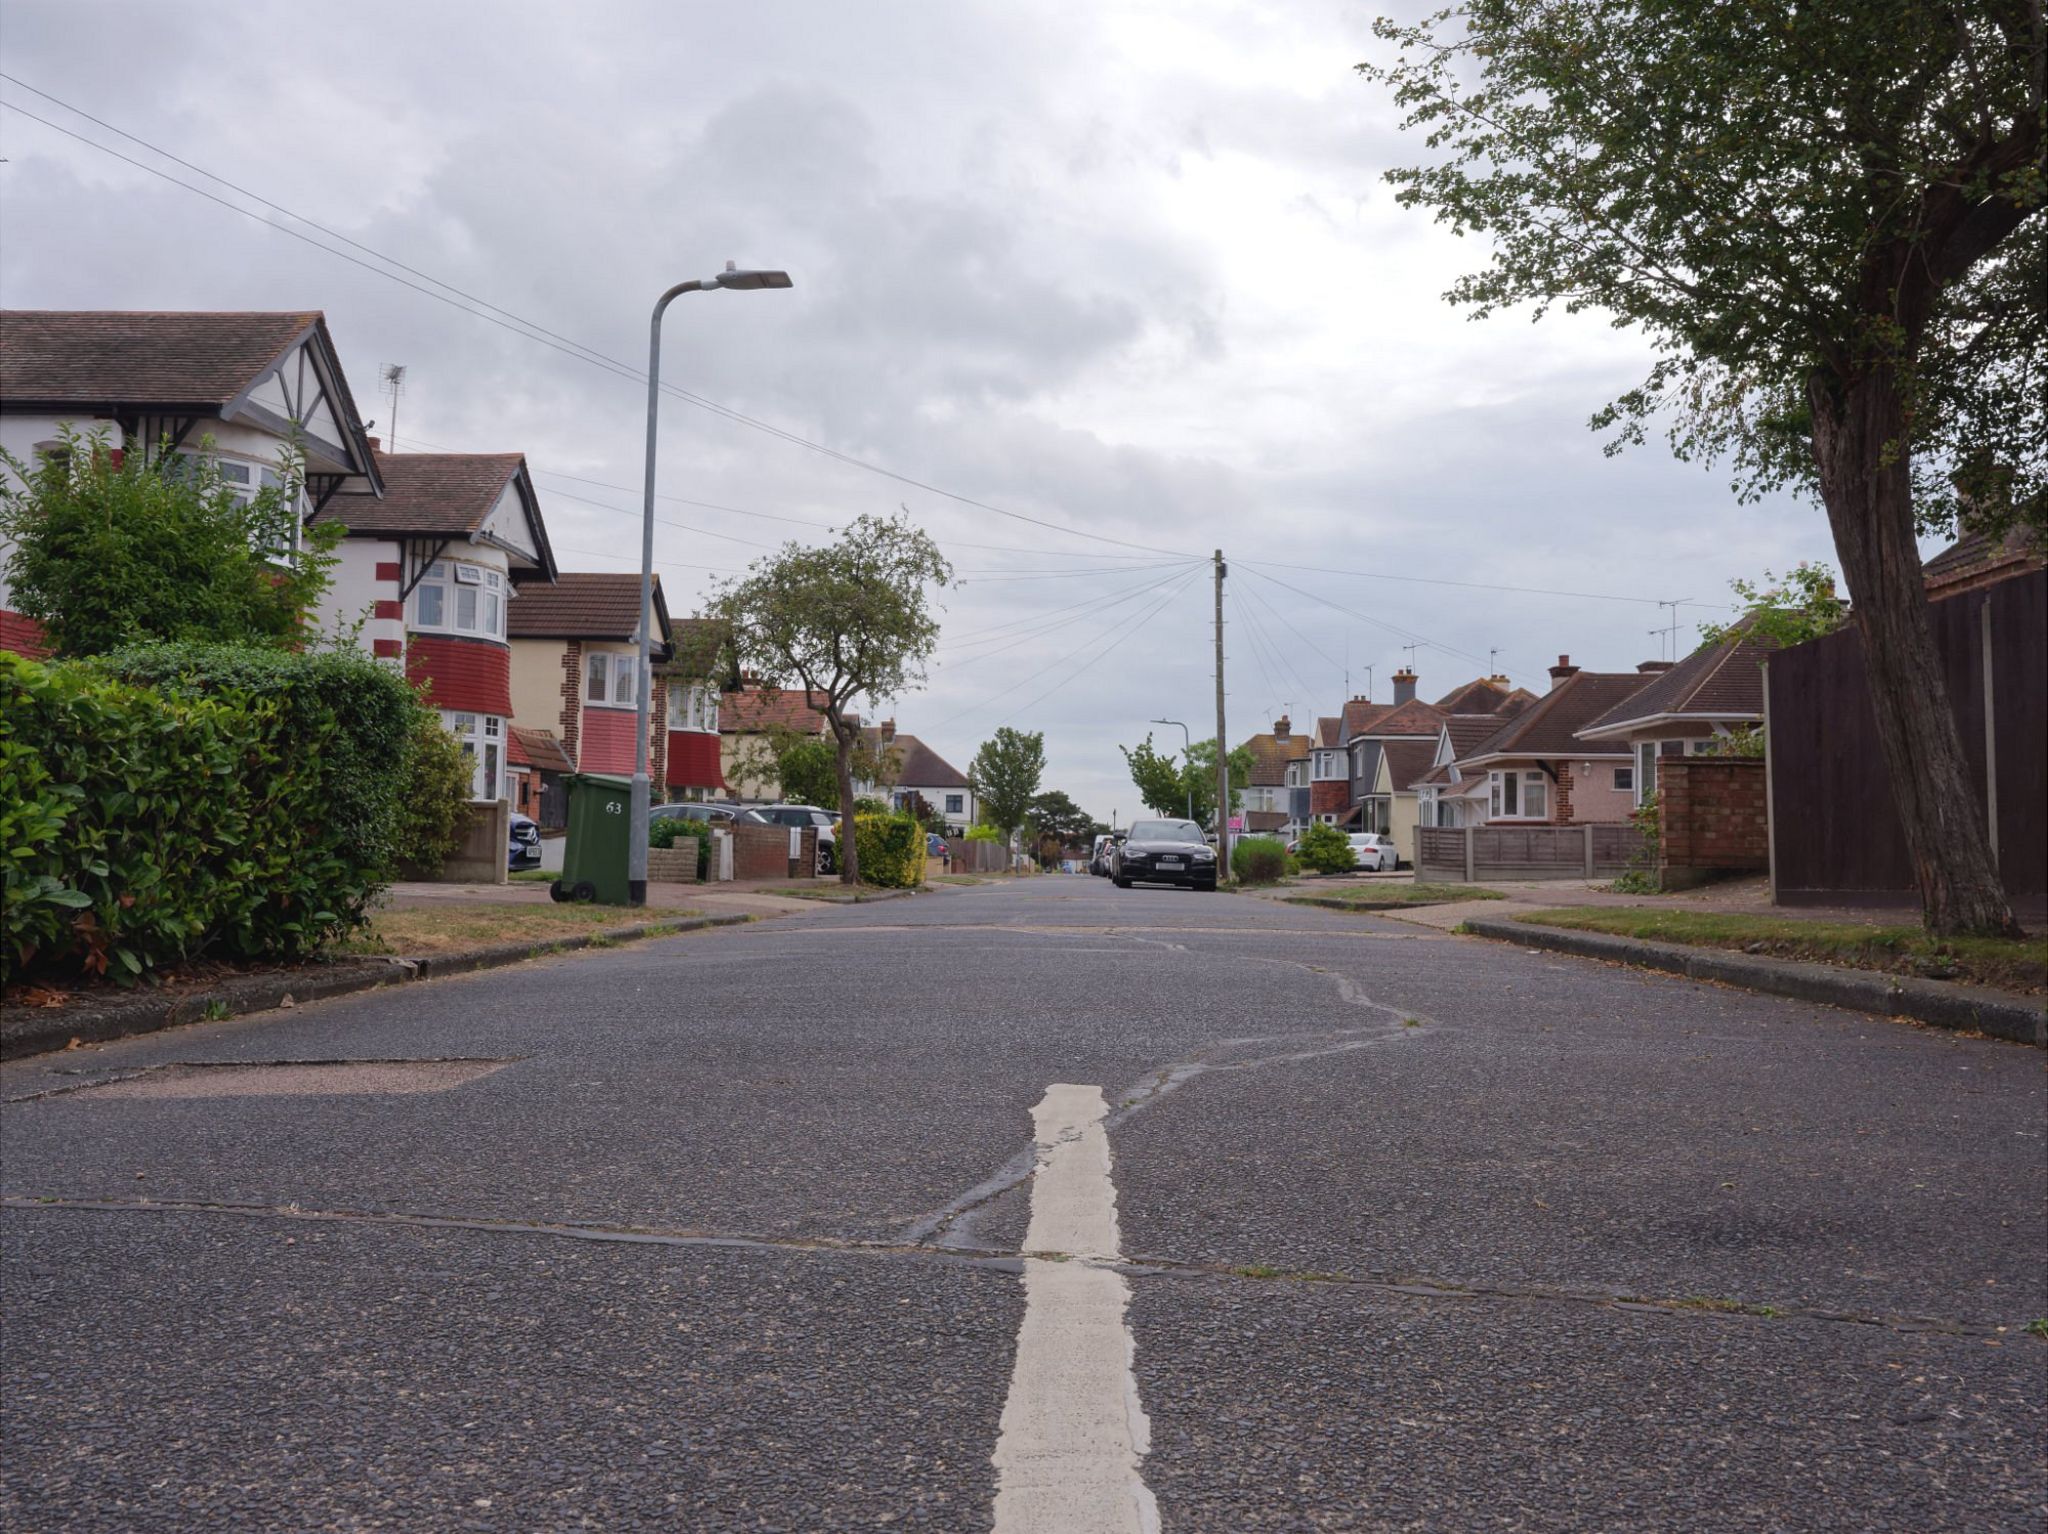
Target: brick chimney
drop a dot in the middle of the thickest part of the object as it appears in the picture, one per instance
(1280, 727)
(1563, 671)
(1652, 667)
(376, 444)
(1404, 687)
(888, 731)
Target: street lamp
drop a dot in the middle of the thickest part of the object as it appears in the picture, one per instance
(731, 277)
(1187, 757)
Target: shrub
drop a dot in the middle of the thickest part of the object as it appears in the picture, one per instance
(146, 825)
(1259, 860)
(891, 850)
(1327, 850)
(434, 810)
(986, 834)
(1640, 877)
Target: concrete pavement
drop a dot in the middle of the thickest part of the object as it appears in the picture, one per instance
(1418, 1232)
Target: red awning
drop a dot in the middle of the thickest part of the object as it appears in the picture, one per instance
(693, 760)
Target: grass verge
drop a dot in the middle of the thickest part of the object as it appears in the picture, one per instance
(1391, 897)
(450, 929)
(2008, 964)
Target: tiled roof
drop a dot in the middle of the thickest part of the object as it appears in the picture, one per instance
(1720, 681)
(1407, 760)
(95, 357)
(1271, 754)
(1329, 731)
(446, 493)
(754, 709)
(1976, 554)
(1468, 730)
(917, 765)
(1411, 718)
(539, 749)
(1359, 713)
(1550, 726)
(585, 604)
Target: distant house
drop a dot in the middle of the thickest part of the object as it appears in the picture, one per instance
(907, 768)
(1402, 763)
(1265, 802)
(576, 668)
(1328, 776)
(428, 570)
(1445, 795)
(749, 718)
(241, 388)
(1979, 560)
(1367, 733)
(1685, 709)
(1487, 695)
(692, 700)
(1538, 771)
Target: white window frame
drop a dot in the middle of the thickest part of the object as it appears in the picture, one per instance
(608, 680)
(693, 706)
(446, 582)
(483, 738)
(1516, 783)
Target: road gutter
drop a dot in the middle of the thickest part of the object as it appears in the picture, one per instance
(41, 1030)
(1967, 1009)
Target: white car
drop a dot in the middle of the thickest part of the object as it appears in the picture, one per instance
(801, 816)
(1373, 851)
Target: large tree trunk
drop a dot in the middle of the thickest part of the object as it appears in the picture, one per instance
(1858, 445)
(849, 851)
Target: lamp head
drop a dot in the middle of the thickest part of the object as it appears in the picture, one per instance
(732, 277)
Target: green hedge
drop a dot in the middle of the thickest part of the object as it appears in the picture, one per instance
(891, 850)
(1259, 860)
(242, 809)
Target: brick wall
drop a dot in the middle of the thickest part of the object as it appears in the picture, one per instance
(1713, 818)
(762, 852)
(571, 731)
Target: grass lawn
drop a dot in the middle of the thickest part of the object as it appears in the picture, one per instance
(1388, 897)
(533, 876)
(449, 929)
(2011, 965)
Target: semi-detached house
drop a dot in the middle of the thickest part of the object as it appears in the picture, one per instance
(576, 668)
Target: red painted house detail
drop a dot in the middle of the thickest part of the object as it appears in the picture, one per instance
(387, 649)
(607, 744)
(24, 636)
(693, 760)
(472, 675)
(390, 607)
(388, 570)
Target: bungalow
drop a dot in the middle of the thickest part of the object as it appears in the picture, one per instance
(1538, 771)
(245, 389)
(1445, 795)
(1684, 709)
(427, 569)
(575, 668)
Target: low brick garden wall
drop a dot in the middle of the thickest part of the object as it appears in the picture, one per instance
(1713, 818)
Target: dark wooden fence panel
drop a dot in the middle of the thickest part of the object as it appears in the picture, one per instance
(1834, 824)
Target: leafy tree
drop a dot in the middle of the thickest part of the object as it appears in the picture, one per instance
(1005, 774)
(920, 809)
(847, 620)
(1326, 849)
(1055, 815)
(1811, 212)
(1167, 786)
(115, 548)
(1802, 606)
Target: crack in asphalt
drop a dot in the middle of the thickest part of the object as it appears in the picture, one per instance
(1137, 1268)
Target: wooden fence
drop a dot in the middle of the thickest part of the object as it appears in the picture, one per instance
(1835, 833)
(1477, 854)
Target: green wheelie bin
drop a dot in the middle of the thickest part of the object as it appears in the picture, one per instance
(600, 836)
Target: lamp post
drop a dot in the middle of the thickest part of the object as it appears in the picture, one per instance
(1187, 758)
(636, 854)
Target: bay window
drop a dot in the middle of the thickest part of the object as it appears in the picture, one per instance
(609, 678)
(457, 598)
(483, 742)
(693, 706)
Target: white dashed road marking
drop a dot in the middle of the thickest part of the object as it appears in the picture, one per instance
(1073, 1431)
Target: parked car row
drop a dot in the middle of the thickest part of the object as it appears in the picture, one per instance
(525, 848)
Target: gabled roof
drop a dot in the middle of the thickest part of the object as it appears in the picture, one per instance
(917, 765)
(1482, 695)
(1406, 761)
(755, 708)
(1270, 755)
(1329, 732)
(120, 362)
(445, 495)
(1357, 714)
(586, 604)
(1718, 681)
(1468, 730)
(1411, 718)
(1550, 726)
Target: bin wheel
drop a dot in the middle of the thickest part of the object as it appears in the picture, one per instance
(584, 892)
(557, 892)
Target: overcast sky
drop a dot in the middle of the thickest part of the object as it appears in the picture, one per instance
(1127, 269)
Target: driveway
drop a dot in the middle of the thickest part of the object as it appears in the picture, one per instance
(1336, 1223)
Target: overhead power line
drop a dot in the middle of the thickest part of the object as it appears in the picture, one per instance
(504, 318)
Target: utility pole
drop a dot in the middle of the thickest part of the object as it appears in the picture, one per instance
(1222, 750)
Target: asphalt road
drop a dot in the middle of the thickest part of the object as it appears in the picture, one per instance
(1419, 1232)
